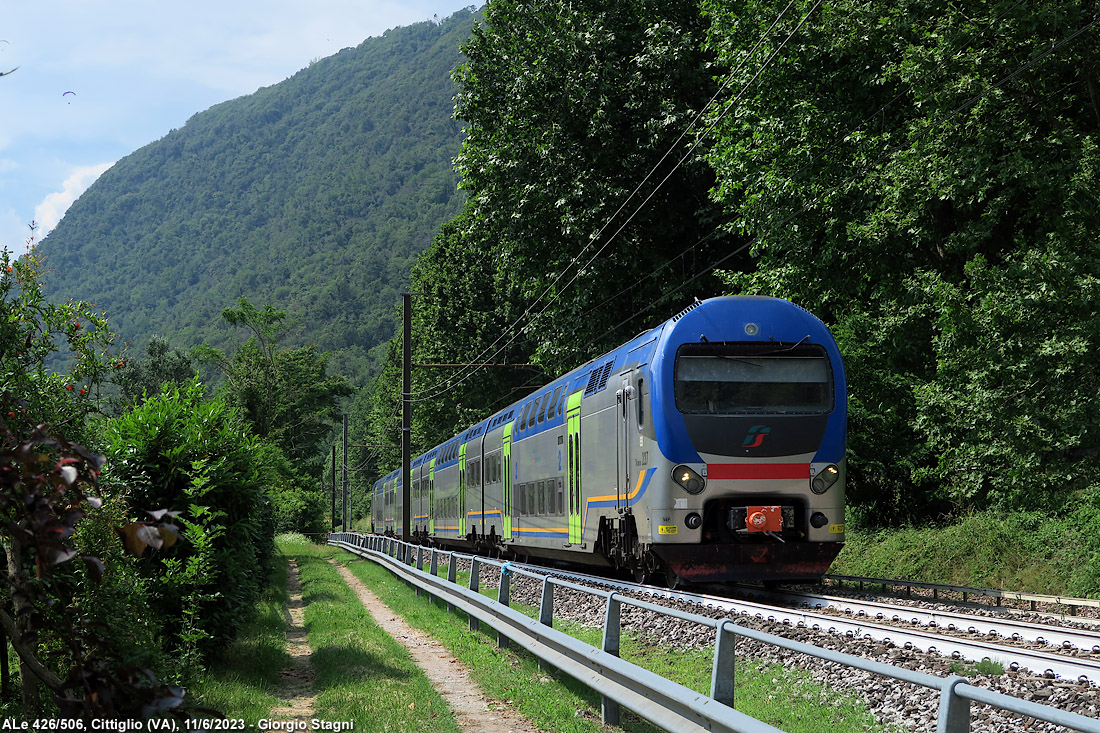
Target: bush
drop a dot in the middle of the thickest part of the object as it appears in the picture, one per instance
(182, 452)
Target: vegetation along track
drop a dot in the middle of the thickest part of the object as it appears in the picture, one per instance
(1067, 681)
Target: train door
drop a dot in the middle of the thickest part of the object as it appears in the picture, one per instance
(431, 497)
(573, 449)
(507, 476)
(476, 485)
(462, 491)
(625, 396)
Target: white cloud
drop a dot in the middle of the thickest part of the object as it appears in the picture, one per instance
(48, 213)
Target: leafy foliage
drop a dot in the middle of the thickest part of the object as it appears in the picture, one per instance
(44, 481)
(923, 176)
(34, 333)
(138, 377)
(195, 456)
(286, 395)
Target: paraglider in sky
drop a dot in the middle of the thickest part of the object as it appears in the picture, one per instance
(5, 73)
(73, 93)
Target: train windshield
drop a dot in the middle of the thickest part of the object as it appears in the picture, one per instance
(736, 379)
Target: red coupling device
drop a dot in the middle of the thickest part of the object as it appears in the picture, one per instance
(764, 519)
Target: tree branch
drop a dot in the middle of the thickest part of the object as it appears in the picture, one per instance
(26, 654)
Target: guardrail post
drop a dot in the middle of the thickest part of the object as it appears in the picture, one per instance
(954, 710)
(546, 611)
(475, 571)
(723, 674)
(452, 576)
(610, 708)
(503, 598)
(433, 564)
(419, 566)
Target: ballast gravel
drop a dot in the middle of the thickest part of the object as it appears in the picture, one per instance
(892, 702)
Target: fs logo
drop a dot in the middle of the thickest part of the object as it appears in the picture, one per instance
(756, 435)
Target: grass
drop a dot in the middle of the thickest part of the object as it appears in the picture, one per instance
(788, 700)
(985, 667)
(243, 680)
(1024, 551)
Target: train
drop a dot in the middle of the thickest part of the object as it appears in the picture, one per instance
(709, 449)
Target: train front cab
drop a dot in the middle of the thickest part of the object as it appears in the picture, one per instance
(754, 404)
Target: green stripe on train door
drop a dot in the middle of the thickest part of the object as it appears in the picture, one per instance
(573, 422)
(507, 459)
(462, 491)
(431, 496)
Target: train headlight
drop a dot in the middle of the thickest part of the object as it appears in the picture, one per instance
(825, 478)
(688, 479)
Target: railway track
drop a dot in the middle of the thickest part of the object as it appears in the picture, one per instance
(1019, 646)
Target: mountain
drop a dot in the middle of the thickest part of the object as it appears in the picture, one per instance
(314, 195)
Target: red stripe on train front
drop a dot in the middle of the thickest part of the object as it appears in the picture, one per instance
(758, 471)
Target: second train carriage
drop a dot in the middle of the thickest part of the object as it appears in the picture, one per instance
(710, 448)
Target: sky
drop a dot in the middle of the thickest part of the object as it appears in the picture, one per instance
(136, 70)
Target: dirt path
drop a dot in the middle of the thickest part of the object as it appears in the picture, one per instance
(297, 679)
(474, 711)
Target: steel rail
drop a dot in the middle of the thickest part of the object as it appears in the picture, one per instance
(967, 591)
(1007, 628)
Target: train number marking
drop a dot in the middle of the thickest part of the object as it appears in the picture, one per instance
(836, 529)
(667, 529)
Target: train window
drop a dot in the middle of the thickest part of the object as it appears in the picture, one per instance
(523, 420)
(561, 497)
(542, 410)
(534, 411)
(553, 403)
(728, 379)
(541, 490)
(561, 405)
(530, 491)
(641, 404)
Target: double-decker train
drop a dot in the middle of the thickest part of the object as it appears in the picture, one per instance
(708, 449)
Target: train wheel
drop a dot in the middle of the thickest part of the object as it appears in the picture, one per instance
(674, 581)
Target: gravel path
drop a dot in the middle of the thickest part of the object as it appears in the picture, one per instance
(472, 708)
(297, 679)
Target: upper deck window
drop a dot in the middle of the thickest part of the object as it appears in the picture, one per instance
(743, 379)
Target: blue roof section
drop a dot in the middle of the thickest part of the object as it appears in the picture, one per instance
(726, 319)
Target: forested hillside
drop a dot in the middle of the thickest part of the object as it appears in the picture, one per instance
(313, 195)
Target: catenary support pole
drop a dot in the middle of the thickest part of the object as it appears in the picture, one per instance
(406, 418)
(344, 463)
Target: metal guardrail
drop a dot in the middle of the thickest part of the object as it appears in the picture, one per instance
(620, 683)
(966, 591)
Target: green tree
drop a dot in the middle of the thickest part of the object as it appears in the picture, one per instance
(286, 395)
(52, 608)
(583, 185)
(138, 378)
(923, 176)
(36, 336)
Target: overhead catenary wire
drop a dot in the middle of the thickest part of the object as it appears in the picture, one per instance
(911, 141)
(444, 386)
(660, 267)
(485, 355)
